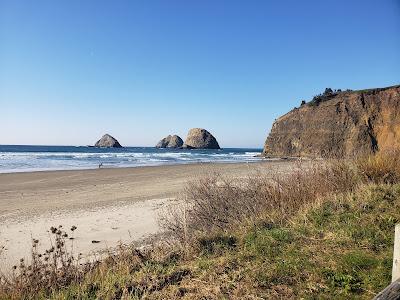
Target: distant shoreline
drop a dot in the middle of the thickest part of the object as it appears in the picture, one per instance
(23, 159)
(104, 167)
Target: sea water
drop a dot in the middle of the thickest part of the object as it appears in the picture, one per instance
(43, 158)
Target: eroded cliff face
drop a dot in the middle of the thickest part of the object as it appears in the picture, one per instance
(349, 123)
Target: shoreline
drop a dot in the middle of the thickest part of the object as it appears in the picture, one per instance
(108, 205)
(35, 192)
(25, 158)
(260, 159)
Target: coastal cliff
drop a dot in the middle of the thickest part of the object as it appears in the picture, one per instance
(339, 123)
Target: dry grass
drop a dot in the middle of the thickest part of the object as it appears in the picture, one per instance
(218, 203)
(383, 167)
(55, 268)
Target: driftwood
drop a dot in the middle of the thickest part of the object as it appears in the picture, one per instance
(391, 292)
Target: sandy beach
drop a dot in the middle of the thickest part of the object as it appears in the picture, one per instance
(107, 205)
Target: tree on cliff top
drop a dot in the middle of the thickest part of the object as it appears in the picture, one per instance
(326, 95)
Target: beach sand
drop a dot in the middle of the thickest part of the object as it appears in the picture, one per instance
(107, 205)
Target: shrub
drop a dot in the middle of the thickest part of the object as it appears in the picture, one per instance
(325, 96)
(217, 203)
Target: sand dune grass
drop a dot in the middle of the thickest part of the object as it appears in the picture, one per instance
(384, 167)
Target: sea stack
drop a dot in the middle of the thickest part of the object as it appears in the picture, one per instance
(340, 124)
(171, 141)
(107, 141)
(199, 138)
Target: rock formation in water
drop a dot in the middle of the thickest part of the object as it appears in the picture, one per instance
(107, 141)
(171, 141)
(199, 138)
(339, 123)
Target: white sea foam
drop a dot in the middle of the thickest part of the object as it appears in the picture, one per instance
(40, 158)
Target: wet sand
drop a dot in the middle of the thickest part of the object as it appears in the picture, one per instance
(107, 205)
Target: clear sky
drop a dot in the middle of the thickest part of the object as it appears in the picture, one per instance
(72, 70)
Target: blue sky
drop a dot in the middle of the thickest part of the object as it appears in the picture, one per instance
(139, 70)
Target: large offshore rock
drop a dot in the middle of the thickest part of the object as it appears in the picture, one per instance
(171, 141)
(199, 138)
(107, 141)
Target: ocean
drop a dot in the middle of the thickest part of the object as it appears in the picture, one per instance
(43, 158)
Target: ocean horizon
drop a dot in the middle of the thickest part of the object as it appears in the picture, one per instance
(30, 158)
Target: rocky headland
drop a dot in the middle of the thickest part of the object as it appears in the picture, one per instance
(339, 123)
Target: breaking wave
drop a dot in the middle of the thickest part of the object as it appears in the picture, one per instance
(40, 158)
